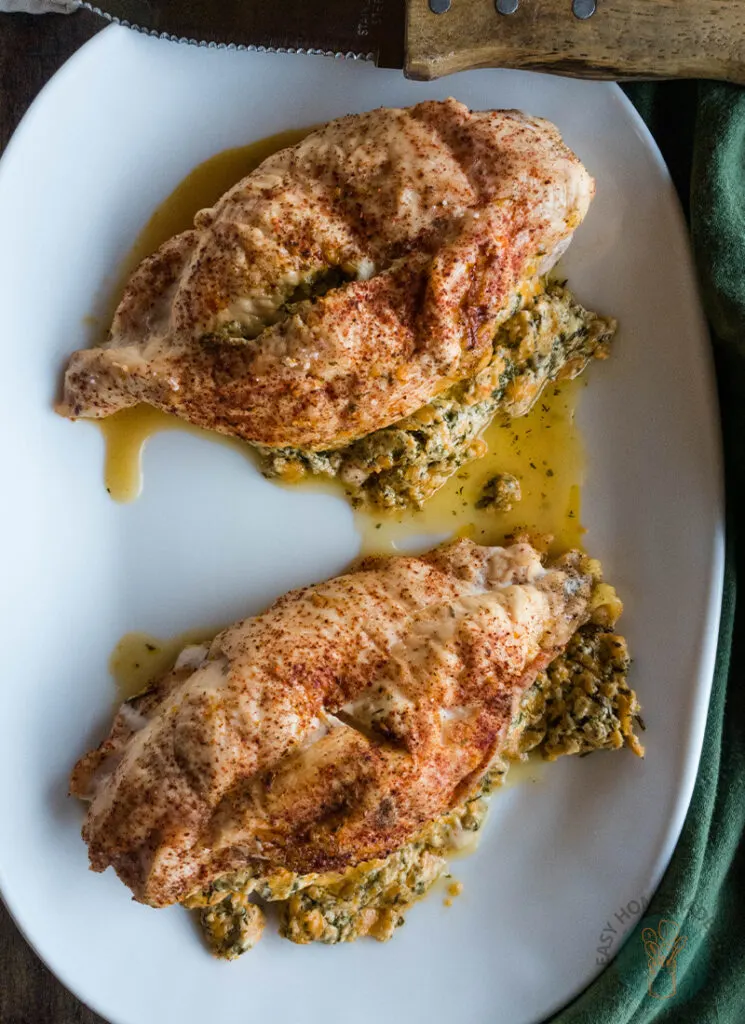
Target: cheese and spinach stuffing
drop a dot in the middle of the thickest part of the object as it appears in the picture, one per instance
(580, 704)
(548, 337)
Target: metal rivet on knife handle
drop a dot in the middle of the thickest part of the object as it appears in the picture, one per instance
(507, 6)
(439, 6)
(583, 8)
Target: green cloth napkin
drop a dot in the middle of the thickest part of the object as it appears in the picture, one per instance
(700, 128)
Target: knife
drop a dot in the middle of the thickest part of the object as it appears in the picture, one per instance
(429, 38)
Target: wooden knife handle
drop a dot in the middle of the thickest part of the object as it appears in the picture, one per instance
(622, 39)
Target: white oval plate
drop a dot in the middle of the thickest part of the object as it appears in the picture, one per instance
(210, 540)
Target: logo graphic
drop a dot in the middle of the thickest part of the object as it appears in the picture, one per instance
(662, 946)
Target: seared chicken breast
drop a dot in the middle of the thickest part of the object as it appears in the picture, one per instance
(346, 282)
(333, 728)
(582, 703)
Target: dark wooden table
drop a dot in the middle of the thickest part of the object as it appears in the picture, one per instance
(31, 50)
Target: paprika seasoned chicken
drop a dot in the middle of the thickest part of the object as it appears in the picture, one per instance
(343, 724)
(348, 282)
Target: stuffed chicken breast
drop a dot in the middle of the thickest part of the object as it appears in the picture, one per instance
(335, 728)
(351, 281)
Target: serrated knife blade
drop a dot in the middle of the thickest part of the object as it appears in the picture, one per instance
(362, 29)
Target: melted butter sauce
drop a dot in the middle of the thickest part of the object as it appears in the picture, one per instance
(140, 658)
(126, 435)
(543, 449)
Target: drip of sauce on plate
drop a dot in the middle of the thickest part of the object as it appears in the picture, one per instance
(455, 888)
(543, 449)
(139, 658)
(126, 435)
